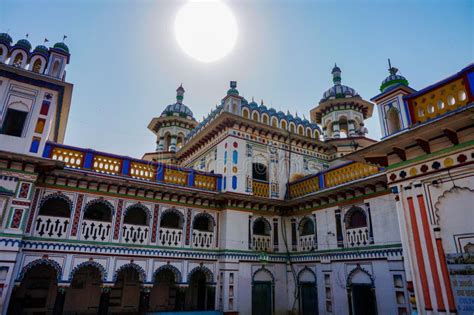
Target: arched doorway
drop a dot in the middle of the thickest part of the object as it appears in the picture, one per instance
(164, 295)
(83, 296)
(393, 120)
(200, 294)
(125, 294)
(262, 292)
(38, 290)
(307, 292)
(361, 292)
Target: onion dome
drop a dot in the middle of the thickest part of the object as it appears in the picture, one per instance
(41, 50)
(233, 89)
(61, 46)
(338, 90)
(178, 108)
(23, 44)
(5, 39)
(393, 79)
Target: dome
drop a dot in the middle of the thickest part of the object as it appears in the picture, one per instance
(392, 80)
(233, 89)
(42, 50)
(24, 44)
(177, 108)
(338, 90)
(61, 46)
(5, 38)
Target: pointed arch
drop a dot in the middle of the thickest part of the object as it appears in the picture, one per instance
(265, 271)
(42, 261)
(206, 215)
(166, 214)
(203, 269)
(393, 120)
(173, 269)
(355, 217)
(140, 206)
(134, 266)
(89, 263)
(356, 270)
(56, 204)
(261, 226)
(306, 270)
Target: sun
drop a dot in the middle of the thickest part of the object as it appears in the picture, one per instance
(206, 30)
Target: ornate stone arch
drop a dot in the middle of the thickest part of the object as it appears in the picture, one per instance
(351, 211)
(89, 263)
(264, 270)
(356, 270)
(205, 270)
(173, 269)
(265, 221)
(141, 206)
(102, 201)
(59, 195)
(137, 268)
(306, 269)
(204, 214)
(445, 195)
(172, 210)
(41, 261)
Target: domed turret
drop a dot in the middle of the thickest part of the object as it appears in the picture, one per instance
(393, 79)
(23, 44)
(338, 90)
(178, 108)
(41, 50)
(233, 89)
(61, 46)
(5, 39)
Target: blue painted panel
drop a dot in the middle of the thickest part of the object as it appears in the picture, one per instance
(88, 160)
(234, 182)
(191, 179)
(47, 150)
(235, 156)
(126, 167)
(470, 78)
(34, 146)
(219, 183)
(225, 157)
(321, 180)
(225, 182)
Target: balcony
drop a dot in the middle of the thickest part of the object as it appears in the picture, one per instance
(135, 234)
(307, 243)
(260, 188)
(97, 231)
(170, 237)
(261, 243)
(203, 239)
(357, 237)
(51, 227)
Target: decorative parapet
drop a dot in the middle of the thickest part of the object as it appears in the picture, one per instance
(442, 97)
(329, 178)
(106, 163)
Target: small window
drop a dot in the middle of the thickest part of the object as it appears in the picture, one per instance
(261, 227)
(37, 66)
(462, 96)
(283, 124)
(245, 113)
(255, 116)
(440, 104)
(55, 72)
(18, 60)
(135, 215)
(259, 172)
(14, 122)
(357, 219)
(171, 220)
(98, 211)
(451, 100)
(274, 122)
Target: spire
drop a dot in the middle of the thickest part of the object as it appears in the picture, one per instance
(233, 88)
(180, 93)
(392, 70)
(336, 75)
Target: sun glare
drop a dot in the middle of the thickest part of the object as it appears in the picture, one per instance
(206, 29)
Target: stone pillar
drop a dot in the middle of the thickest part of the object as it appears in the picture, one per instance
(60, 299)
(145, 298)
(104, 300)
(335, 130)
(173, 143)
(351, 132)
(325, 133)
(160, 144)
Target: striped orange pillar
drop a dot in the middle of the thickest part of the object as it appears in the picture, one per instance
(419, 255)
(444, 270)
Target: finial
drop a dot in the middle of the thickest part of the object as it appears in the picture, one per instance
(45, 40)
(261, 102)
(27, 34)
(253, 100)
(392, 70)
(233, 84)
(64, 37)
(180, 93)
(336, 75)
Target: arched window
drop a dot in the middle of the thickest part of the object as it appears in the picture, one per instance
(98, 211)
(283, 124)
(274, 122)
(308, 132)
(245, 113)
(306, 227)
(316, 134)
(37, 66)
(393, 120)
(1, 54)
(18, 60)
(261, 227)
(55, 207)
(55, 72)
(202, 222)
(265, 119)
(301, 130)
(259, 171)
(15, 119)
(292, 127)
(255, 116)
(356, 219)
(171, 220)
(136, 215)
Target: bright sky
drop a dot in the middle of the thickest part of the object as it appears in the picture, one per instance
(126, 64)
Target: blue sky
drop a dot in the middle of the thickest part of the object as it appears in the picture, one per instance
(126, 64)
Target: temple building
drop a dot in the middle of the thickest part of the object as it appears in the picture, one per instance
(247, 211)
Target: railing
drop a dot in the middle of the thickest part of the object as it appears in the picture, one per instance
(260, 189)
(170, 237)
(203, 239)
(51, 227)
(357, 237)
(106, 163)
(98, 231)
(135, 234)
(261, 243)
(307, 243)
(330, 178)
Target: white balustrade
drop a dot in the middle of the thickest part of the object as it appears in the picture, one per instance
(170, 237)
(307, 243)
(357, 237)
(135, 234)
(261, 242)
(203, 239)
(51, 227)
(98, 231)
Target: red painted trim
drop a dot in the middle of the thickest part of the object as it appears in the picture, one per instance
(431, 254)
(444, 270)
(419, 255)
(32, 210)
